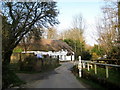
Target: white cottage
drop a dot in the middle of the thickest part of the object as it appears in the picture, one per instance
(62, 54)
(54, 48)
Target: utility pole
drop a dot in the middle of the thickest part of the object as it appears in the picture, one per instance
(118, 22)
(75, 49)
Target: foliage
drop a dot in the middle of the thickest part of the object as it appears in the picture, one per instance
(28, 63)
(94, 56)
(79, 49)
(70, 42)
(98, 50)
(17, 50)
(114, 53)
(32, 63)
(76, 45)
(10, 79)
(86, 55)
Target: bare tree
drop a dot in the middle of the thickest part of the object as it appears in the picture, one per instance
(75, 33)
(22, 17)
(32, 36)
(19, 18)
(78, 22)
(77, 29)
(106, 27)
(51, 33)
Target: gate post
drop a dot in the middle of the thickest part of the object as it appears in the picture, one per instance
(80, 67)
(88, 66)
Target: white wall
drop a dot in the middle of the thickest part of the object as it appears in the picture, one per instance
(62, 54)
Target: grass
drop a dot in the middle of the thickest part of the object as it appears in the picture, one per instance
(99, 80)
(90, 84)
(114, 75)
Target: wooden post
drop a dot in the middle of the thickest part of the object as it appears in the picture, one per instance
(91, 66)
(80, 67)
(83, 64)
(106, 71)
(88, 66)
(95, 68)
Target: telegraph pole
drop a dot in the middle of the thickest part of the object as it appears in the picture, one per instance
(118, 21)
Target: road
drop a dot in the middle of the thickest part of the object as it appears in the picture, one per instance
(61, 77)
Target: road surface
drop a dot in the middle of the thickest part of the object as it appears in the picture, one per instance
(61, 77)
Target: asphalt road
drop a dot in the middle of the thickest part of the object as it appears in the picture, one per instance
(61, 77)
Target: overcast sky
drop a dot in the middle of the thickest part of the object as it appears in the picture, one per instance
(90, 9)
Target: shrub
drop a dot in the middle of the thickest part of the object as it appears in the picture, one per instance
(86, 55)
(9, 78)
(28, 63)
(32, 63)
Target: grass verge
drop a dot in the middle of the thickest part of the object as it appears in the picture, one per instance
(99, 80)
(90, 84)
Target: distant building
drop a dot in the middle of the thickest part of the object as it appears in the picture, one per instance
(62, 55)
(53, 48)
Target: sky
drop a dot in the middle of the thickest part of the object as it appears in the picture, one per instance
(90, 9)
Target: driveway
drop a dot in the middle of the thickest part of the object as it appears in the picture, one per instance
(61, 77)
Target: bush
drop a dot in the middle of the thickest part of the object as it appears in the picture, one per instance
(28, 64)
(9, 78)
(86, 55)
(114, 53)
(32, 63)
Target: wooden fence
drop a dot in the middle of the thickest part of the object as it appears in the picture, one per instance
(83, 63)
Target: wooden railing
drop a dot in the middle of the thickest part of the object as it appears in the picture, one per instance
(83, 63)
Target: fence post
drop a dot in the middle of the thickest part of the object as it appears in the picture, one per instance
(80, 67)
(83, 64)
(91, 66)
(106, 71)
(95, 68)
(88, 66)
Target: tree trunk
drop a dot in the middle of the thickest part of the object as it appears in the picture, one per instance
(6, 71)
(6, 57)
